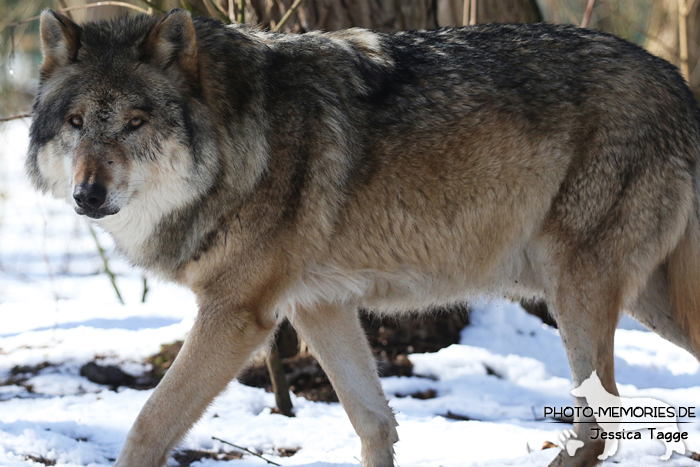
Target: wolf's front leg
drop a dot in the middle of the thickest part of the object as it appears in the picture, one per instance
(337, 340)
(218, 345)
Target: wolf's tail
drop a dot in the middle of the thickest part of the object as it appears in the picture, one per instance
(684, 280)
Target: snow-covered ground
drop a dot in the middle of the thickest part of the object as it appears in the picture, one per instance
(56, 307)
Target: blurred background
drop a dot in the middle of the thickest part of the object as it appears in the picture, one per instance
(667, 28)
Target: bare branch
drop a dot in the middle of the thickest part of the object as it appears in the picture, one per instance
(683, 37)
(28, 7)
(154, 6)
(587, 15)
(14, 117)
(246, 450)
(64, 5)
(295, 6)
(105, 262)
(215, 10)
(145, 289)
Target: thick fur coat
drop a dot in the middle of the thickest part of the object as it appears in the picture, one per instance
(304, 176)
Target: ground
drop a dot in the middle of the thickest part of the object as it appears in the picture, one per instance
(58, 312)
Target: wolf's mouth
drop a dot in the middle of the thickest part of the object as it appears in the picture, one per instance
(95, 213)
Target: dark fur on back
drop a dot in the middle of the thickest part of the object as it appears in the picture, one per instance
(306, 95)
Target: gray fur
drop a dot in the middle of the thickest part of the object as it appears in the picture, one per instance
(308, 175)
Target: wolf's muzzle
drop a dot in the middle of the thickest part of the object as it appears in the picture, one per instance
(89, 198)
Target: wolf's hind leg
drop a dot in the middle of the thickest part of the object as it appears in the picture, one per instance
(587, 313)
(218, 345)
(336, 338)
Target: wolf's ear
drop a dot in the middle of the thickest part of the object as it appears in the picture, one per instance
(173, 42)
(60, 41)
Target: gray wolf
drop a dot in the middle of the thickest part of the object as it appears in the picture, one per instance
(598, 398)
(305, 176)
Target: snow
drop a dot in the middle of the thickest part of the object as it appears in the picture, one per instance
(57, 308)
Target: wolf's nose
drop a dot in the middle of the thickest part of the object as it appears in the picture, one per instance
(90, 196)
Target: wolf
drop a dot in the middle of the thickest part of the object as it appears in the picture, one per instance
(306, 176)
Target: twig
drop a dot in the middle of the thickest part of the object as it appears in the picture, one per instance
(241, 11)
(295, 6)
(246, 450)
(15, 13)
(570, 15)
(65, 5)
(215, 10)
(186, 6)
(105, 261)
(14, 117)
(587, 15)
(683, 36)
(154, 6)
(81, 7)
(145, 289)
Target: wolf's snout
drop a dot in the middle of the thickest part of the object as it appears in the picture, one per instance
(90, 196)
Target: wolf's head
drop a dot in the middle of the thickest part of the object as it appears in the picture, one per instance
(116, 119)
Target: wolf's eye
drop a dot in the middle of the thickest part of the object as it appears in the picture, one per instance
(76, 121)
(135, 122)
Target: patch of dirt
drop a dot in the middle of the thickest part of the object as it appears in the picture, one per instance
(391, 338)
(287, 452)
(539, 308)
(109, 375)
(21, 373)
(304, 374)
(160, 363)
(41, 460)
(162, 360)
(455, 416)
(187, 457)
(422, 395)
(190, 456)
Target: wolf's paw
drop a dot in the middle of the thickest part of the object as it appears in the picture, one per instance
(568, 444)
